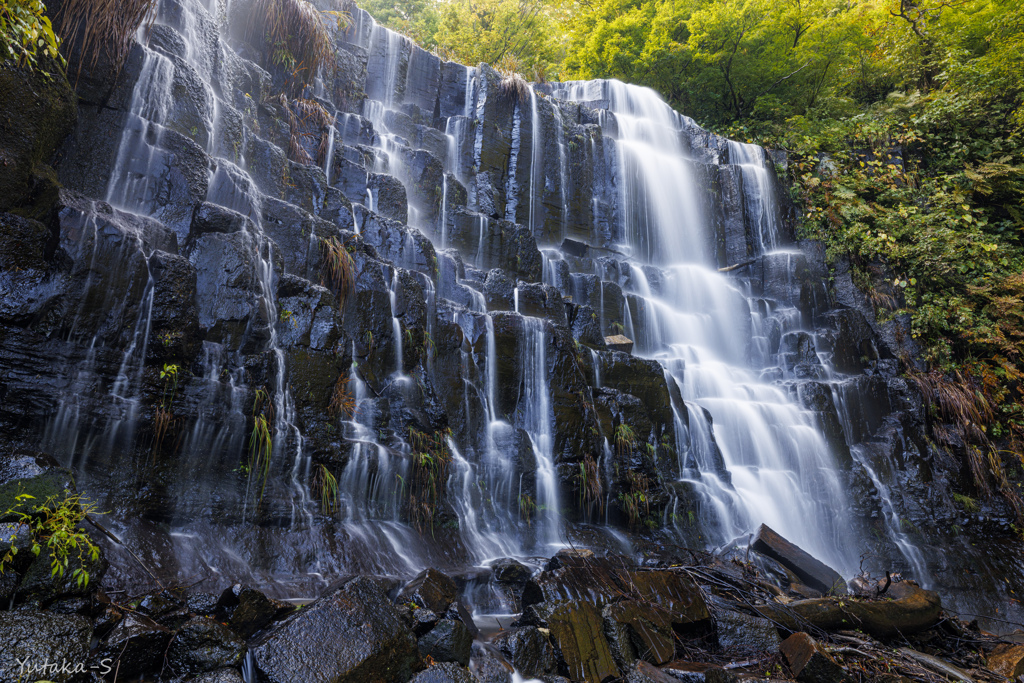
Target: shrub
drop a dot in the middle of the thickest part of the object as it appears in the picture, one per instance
(25, 32)
(54, 524)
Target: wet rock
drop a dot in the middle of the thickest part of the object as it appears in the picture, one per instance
(586, 326)
(809, 662)
(38, 638)
(227, 285)
(202, 645)
(814, 573)
(642, 672)
(744, 635)
(487, 667)
(507, 570)
(174, 319)
(423, 620)
(690, 672)
(638, 630)
(448, 641)
(135, 646)
(430, 589)
(444, 672)
(213, 218)
(541, 301)
(389, 198)
(578, 633)
(32, 273)
(220, 676)
(31, 473)
(36, 114)
(618, 342)
(254, 611)
(527, 649)
(351, 635)
(1007, 660)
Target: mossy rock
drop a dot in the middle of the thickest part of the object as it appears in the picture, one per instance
(36, 113)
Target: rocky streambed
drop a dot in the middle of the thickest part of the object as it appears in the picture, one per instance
(769, 613)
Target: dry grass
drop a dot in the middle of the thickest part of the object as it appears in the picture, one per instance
(294, 35)
(965, 411)
(343, 403)
(101, 26)
(337, 268)
(513, 88)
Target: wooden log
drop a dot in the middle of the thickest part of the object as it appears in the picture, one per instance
(918, 611)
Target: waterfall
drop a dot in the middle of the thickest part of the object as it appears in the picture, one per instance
(476, 318)
(781, 469)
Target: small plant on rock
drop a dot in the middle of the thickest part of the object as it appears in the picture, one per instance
(54, 524)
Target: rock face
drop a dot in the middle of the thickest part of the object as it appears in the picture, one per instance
(366, 328)
(39, 638)
(353, 634)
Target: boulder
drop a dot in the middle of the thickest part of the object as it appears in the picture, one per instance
(809, 662)
(639, 630)
(255, 611)
(41, 637)
(642, 672)
(1008, 660)
(812, 572)
(444, 672)
(351, 635)
(448, 641)
(135, 646)
(618, 342)
(203, 645)
(430, 589)
(743, 635)
(507, 570)
(527, 649)
(578, 632)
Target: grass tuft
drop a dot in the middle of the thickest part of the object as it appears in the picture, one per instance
(95, 27)
(294, 35)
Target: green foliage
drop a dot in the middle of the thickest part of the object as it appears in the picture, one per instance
(26, 34)
(261, 442)
(55, 525)
(635, 502)
(430, 460)
(325, 486)
(514, 36)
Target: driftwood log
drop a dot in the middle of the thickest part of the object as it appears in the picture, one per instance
(916, 610)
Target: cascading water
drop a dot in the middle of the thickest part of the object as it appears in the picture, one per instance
(780, 469)
(467, 316)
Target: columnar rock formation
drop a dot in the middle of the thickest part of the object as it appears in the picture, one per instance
(364, 329)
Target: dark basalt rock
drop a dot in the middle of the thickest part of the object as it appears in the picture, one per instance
(637, 630)
(253, 610)
(219, 676)
(135, 646)
(39, 638)
(743, 635)
(809, 662)
(349, 636)
(444, 672)
(203, 645)
(430, 589)
(642, 672)
(507, 570)
(527, 649)
(578, 633)
(448, 641)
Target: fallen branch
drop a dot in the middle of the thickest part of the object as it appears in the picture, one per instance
(737, 265)
(936, 665)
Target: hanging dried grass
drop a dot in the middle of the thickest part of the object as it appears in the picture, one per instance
(294, 34)
(95, 26)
